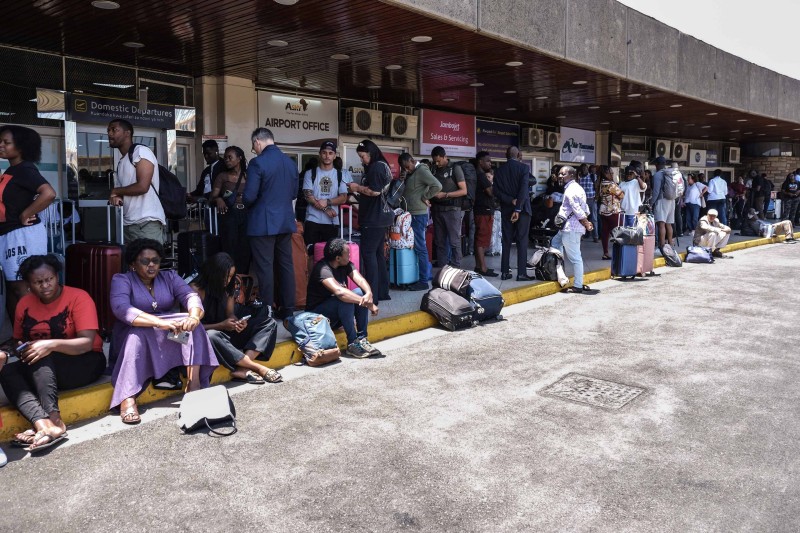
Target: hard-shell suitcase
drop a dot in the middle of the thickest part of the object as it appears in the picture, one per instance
(355, 254)
(300, 268)
(451, 310)
(194, 247)
(624, 260)
(646, 256)
(90, 267)
(487, 298)
(403, 266)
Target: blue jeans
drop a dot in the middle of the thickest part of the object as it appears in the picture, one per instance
(569, 243)
(352, 317)
(419, 223)
(593, 208)
(630, 221)
(692, 216)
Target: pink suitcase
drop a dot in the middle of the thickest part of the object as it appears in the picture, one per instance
(355, 254)
(646, 256)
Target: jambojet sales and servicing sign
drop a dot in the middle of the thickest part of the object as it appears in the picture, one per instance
(298, 120)
(577, 146)
(454, 132)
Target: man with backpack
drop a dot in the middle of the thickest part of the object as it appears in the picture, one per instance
(510, 187)
(325, 189)
(446, 208)
(136, 183)
(664, 194)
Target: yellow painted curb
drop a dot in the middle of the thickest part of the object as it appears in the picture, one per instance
(93, 401)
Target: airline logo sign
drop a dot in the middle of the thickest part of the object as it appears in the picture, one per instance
(298, 120)
(578, 146)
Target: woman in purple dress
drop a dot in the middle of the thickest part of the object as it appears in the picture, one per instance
(143, 300)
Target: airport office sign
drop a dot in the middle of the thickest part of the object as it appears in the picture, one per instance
(577, 146)
(93, 109)
(298, 120)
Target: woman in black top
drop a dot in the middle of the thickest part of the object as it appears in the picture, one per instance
(236, 341)
(374, 217)
(24, 193)
(226, 195)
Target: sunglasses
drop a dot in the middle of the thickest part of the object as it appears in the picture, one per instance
(145, 261)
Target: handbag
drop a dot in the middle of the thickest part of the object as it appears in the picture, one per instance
(627, 236)
(698, 254)
(560, 221)
(230, 200)
(205, 407)
(314, 337)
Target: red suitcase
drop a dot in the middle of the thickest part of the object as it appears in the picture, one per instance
(355, 254)
(90, 267)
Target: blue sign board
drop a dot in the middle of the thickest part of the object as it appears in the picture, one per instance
(495, 137)
(712, 159)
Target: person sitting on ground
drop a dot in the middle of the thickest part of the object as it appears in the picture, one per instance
(755, 226)
(62, 350)
(611, 196)
(237, 341)
(150, 339)
(328, 295)
(711, 233)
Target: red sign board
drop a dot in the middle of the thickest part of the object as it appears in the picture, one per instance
(454, 132)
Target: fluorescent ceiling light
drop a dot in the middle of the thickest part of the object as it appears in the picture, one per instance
(114, 85)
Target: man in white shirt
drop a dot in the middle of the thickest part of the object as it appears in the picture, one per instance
(325, 189)
(717, 196)
(136, 185)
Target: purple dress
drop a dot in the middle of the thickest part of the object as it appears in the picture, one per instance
(144, 353)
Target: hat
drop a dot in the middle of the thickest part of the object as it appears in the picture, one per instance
(713, 213)
(752, 213)
(328, 145)
(660, 160)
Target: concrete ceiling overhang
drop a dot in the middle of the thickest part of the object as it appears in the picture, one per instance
(350, 48)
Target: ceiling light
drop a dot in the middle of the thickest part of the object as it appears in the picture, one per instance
(741, 120)
(641, 129)
(771, 125)
(286, 2)
(373, 86)
(785, 137)
(734, 131)
(278, 42)
(705, 127)
(594, 107)
(476, 84)
(634, 95)
(113, 85)
(676, 105)
(514, 64)
(448, 99)
(613, 112)
(393, 67)
(270, 69)
(672, 122)
(422, 39)
(511, 109)
(512, 91)
(712, 114)
(761, 134)
(133, 44)
(561, 116)
(580, 82)
(105, 4)
(635, 116)
(540, 97)
(340, 57)
(704, 136)
(605, 123)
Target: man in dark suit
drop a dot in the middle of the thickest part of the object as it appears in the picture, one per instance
(510, 187)
(268, 194)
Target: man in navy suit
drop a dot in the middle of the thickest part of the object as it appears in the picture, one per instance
(511, 188)
(268, 194)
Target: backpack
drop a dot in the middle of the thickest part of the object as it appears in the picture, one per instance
(171, 193)
(301, 205)
(669, 190)
(314, 337)
(401, 234)
(471, 179)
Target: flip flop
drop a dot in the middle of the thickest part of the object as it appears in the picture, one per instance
(20, 443)
(130, 416)
(272, 376)
(251, 378)
(52, 442)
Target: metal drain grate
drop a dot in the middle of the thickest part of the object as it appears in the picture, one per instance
(593, 391)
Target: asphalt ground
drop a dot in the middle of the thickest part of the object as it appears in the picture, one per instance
(452, 432)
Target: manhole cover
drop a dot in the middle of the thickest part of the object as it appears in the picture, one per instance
(594, 391)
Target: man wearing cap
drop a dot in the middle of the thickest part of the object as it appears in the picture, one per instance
(755, 226)
(325, 189)
(663, 209)
(711, 233)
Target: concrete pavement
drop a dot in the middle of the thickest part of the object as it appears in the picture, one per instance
(451, 431)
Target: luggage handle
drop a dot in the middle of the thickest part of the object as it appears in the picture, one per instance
(74, 211)
(349, 209)
(121, 229)
(220, 433)
(212, 220)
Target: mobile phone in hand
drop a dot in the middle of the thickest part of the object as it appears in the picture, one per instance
(245, 318)
(21, 348)
(181, 337)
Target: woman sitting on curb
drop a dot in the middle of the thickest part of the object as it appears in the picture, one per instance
(61, 350)
(149, 339)
(236, 341)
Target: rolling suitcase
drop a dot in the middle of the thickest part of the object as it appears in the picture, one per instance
(355, 253)
(194, 247)
(624, 260)
(451, 310)
(646, 256)
(403, 266)
(487, 298)
(300, 263)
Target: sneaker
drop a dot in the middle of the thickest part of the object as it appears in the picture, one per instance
(418, 286)
(365, 344)
(3, 458)
(356, 349)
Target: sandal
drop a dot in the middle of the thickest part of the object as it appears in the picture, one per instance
(251, 378)
(272, 376)
(41, 435)
(606, 258)
(24, 439)
(130, 415)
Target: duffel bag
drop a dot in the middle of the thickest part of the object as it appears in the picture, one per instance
(699, 254)
(627, 236)
(453, 279)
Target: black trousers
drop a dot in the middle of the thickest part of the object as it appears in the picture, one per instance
(33, 389)
(373, 261)
(260, 335)
(518, 231)
(233, 238)
(271, 254)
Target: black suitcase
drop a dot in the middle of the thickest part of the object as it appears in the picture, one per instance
(451, 310)
(194, 247)
(487, 298)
